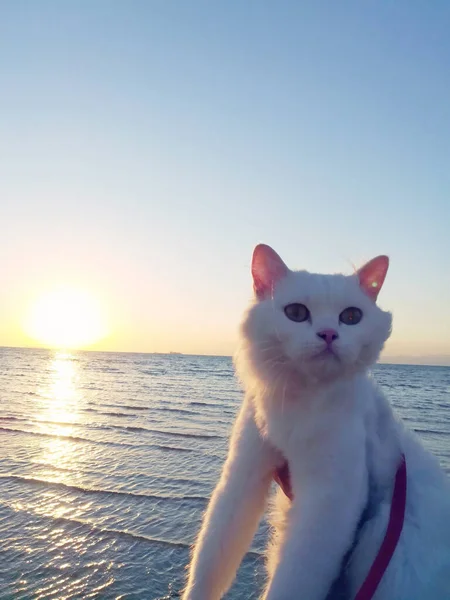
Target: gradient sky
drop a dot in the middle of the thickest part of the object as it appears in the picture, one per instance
(147, 146)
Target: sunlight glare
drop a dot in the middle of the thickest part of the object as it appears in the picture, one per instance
(66, 318)
(57, 419)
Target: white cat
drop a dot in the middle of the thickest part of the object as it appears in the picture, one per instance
(307, 343)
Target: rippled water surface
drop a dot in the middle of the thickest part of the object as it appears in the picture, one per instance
(107, 462)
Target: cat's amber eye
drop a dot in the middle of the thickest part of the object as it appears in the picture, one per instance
(296, 312)
(351, 316)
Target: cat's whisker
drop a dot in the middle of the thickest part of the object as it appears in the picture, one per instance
(283, 398)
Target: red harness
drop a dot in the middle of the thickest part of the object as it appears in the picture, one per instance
(393, 531)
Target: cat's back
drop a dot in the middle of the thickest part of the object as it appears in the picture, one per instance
(388, 438)
(420, 567)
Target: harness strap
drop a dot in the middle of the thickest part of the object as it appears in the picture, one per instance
(393, 531)
(392, 535)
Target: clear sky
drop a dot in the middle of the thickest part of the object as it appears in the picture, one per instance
(147, 146)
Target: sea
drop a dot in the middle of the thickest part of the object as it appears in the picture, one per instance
(107, 461)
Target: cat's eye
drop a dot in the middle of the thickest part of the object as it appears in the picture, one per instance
(351, 316)
(296, 312)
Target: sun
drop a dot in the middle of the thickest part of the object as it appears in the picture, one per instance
(66, 317)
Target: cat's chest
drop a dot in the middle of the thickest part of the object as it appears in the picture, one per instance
(295, 431)
(301, 429)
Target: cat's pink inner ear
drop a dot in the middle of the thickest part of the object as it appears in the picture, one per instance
(372, 275)
(267, 270)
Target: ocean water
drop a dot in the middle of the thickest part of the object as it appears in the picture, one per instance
(107, 461)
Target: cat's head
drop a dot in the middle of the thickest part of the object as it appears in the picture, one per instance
(317, 327)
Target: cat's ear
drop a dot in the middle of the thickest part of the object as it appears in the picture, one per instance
(267, 270)
(372, 275)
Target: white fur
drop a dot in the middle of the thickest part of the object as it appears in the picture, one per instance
(337, 431)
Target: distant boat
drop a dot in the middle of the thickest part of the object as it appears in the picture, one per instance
(176, 353)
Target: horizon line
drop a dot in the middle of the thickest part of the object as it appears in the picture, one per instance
(400, 359)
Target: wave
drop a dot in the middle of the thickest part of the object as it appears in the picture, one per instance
(75, 438)
(153, 372)
(214, 407)
(124, 533)
(208, 371)
(410, 386)
(150, 408)
(85, 490)
(208, 418)
(432, 431)
(175, 410)
(140, 429)
(106, 369)
(105, 427)
(32, 421)
(105, 413)
(198, 436)
(119, 406)
(116, 405)
(108, 530)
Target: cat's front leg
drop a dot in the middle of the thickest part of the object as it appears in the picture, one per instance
(321, 523)
(234, 511)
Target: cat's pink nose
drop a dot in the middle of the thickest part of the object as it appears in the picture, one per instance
(328, 335)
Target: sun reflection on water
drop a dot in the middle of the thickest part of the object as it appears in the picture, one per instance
(62, 389)
(57, 418)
